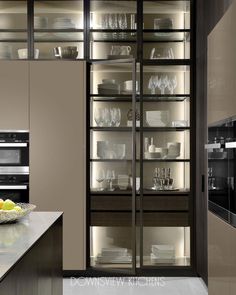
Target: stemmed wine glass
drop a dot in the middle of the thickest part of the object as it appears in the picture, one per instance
(107, 117)
(100, 178)
(163, 83)
(99, 116)
(105, 21)
(115, 117)
(113, 22)
(172, 84)
(122, 22)
(152, 84)
(110, 176)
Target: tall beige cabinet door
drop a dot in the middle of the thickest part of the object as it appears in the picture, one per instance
(57, 150)
(14, 95)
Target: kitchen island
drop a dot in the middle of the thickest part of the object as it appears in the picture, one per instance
(31, 255)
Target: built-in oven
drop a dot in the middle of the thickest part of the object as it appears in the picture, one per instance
(14, 149)
(14, 166)
(15, 187)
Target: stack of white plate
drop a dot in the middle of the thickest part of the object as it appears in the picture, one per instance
(108, 87)
(157, 118)
(114, 255)
(40, 22)
(163, 254)
(5, 52)
(63, 23)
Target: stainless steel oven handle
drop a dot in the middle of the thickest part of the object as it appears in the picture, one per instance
(17, 144)
(13, 187)
(230, 145)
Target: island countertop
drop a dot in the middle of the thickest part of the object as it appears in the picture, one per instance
(17, 239)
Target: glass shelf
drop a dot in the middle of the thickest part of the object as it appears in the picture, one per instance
(166, 36)
(113, 36)
(58, 36)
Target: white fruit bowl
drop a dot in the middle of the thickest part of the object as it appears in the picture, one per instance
(13, 216)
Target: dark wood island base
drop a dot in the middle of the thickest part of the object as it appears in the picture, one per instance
(38, 271)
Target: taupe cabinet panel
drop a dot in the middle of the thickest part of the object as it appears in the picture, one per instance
(222, 68)
(221, 257)
(57, 155)
(14, 95)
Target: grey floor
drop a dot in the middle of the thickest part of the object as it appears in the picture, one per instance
(130, 286)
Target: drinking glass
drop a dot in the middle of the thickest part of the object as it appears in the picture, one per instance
(115, 117)
(163, 83)
(113, 23)
(107, 117)
(172, 84)
(110, 176)
(122, 21)
(100, 176)
(151, 84)
(105, 21)
(99, 117)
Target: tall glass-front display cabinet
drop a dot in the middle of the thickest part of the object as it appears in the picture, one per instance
(140, 120)
(140, 203)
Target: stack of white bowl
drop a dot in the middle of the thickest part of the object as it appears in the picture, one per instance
(163, 254)
(63, 23)
(5, 52)
(40, 22)
(157, 118)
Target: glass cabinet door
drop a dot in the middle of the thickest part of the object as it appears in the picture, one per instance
(113, 29)
(113, 168)
(13, 30)
(59, 29)
(166, 31)
(165, 227)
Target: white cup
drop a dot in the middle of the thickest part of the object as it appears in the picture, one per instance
(123, 181)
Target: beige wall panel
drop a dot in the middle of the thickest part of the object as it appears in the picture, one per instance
(222, 68)
(219, 257)
(57, 155)
(14, 97)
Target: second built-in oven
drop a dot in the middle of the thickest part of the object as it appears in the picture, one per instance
(14, 152)
(14, 166)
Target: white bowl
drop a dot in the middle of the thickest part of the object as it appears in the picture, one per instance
(23, 53)
(173, 149)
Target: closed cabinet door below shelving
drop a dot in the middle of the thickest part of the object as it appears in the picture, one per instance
(14, 95)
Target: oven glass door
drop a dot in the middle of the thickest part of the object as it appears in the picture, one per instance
(16, 193)
(14, 156)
